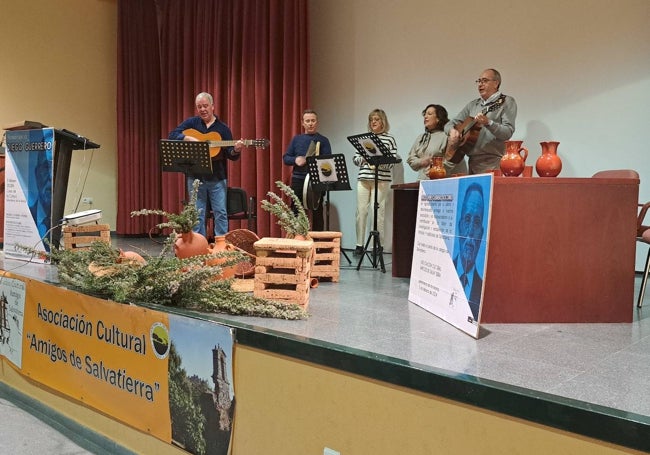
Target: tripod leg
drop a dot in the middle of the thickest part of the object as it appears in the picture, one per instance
(375, 248)
(365, 249)
(377, 251)
(380, 252)
(347, 258)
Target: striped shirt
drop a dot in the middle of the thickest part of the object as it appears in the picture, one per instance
(366, 172)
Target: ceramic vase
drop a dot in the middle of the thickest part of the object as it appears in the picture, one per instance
(549, 163)
(188, 244)
(437, 169)
(215, 248)
(514, 160)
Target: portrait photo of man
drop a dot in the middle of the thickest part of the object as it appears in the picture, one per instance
(470, 231)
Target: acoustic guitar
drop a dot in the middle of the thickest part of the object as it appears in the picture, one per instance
(469, 132)
(215, 142)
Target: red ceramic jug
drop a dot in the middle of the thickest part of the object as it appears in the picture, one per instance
(514, 160)
(437, 169)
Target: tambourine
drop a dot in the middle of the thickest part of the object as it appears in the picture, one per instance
(311, 199)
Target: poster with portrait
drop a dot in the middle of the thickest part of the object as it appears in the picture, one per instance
(450, 249)
(28, 192)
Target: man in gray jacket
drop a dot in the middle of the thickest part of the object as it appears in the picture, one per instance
(482, 127)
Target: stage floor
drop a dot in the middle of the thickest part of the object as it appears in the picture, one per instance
(602, 364)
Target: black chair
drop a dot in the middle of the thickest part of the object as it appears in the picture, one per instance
(241, 207)
(643, 237)
(238, 207)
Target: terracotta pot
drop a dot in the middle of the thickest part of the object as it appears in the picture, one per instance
(514, 160)
(215, 248)
(437, 169)
(188, 244)
(548, 164)
(218, 245)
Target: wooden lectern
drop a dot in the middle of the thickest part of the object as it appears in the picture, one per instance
(64, 143)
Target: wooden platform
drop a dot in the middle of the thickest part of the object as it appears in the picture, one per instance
(283, 270)
(327, 255)
(76, 237)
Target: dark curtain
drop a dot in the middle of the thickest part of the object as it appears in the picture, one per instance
(251, 55)
(138, 114)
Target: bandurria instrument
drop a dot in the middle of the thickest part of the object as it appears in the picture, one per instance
(469, 132)
(214, 139)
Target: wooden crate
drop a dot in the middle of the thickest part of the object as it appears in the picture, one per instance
(283, 270)
(327, 255)
(77, 237)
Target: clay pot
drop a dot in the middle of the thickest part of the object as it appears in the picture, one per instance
(218, 245)
(514, 160)
(548, 164)
(437, 169)
(188, 244)
(215, 248)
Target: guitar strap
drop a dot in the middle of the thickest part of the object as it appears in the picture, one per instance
(500, 100)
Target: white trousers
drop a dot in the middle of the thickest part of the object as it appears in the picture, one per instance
(365, 204)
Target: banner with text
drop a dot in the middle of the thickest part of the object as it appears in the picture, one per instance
(110, 356)
(12, 311)
(164, 374)
(450, 249)
(28, 191)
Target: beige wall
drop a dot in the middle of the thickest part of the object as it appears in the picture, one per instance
(579, 70)
(59, 68)
(292, 407)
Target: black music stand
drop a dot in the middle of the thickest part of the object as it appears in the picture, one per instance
(188, 157)
(376, 153)
(328, 173)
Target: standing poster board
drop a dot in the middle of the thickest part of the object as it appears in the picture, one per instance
(450, 249)
(28, 191)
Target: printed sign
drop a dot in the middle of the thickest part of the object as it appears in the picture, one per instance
(28, 192)
(450, 249)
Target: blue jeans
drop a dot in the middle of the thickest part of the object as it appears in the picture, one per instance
(215, 191)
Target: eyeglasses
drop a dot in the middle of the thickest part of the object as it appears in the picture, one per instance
(483, 80)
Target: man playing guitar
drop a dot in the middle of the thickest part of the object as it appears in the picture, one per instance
(481, 128)
(213, 187)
